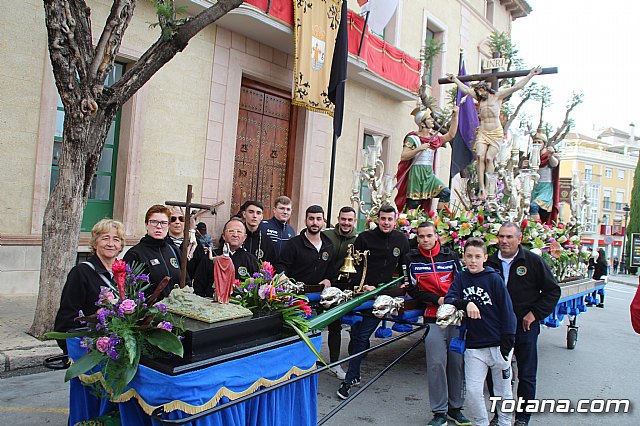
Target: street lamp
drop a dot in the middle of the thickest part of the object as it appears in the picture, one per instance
(623, 262)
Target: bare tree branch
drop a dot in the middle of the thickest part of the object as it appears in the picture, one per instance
(162, 51)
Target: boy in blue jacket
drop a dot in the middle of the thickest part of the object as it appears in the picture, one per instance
(491, 329)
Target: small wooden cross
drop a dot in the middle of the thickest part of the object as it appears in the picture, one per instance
(187, 221)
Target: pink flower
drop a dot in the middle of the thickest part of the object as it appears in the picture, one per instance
(102, 344)
(119, 270)
(165, 325)
(107, 296)
(432, 213)
(302, 305)
(454, 235)
(128, 306)
(269, 268)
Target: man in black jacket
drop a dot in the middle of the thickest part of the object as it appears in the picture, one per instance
(277, 228)
(534, 294)
(387, 247)
(257, 242)
(244, 263)
(308, 257)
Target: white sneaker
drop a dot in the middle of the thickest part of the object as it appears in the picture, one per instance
(339, 372)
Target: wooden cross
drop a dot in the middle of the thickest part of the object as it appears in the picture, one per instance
(187, 224)
(495, 75)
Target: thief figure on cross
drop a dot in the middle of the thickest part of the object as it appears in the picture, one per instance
(490, 133)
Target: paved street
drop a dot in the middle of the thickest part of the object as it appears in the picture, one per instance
(603, 365)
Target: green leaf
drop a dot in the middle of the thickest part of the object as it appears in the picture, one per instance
(165, 341)
(65, 335)
(131, 370)
(308, 342)
(131, 345)
(84, 364)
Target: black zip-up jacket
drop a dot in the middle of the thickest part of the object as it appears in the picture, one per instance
(387, 252)
(260, 245)
(161, 258)
(279, 233)
(531, 284)
(303, 262)
(245, 265)
(80, 292)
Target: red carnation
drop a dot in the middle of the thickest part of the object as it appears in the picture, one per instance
(480, 219)
(119, 270)
(432, 213)
(560, 226)
(524, 223)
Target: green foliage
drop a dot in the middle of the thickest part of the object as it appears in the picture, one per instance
(429, 51)
(168, 20)
(451, 96)
(634, 217)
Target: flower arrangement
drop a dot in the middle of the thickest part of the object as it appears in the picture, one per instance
(271, 292)
(126, 326)
(559, 245)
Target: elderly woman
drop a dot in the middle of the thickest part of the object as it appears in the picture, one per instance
(82, 288)
(160, 255)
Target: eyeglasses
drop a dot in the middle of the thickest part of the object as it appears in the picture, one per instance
(155, 223)
(174, 218)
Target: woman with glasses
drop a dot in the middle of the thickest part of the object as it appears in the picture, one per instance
(82, 288)
(161, 257)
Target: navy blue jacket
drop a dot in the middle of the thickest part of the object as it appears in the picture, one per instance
(487, 291)
(279, 233)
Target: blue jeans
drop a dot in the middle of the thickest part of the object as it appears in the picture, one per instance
(526, 353)
(360, 334)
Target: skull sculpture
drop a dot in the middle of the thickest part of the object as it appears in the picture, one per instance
(387, 305)
(448, 315)
(333, 296)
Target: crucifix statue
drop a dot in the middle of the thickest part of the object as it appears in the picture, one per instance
(188, 205)
(490, 133)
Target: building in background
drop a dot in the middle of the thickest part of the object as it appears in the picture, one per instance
(605, 167)
(219, 116)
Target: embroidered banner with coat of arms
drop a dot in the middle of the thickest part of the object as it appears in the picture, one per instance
(316, 28)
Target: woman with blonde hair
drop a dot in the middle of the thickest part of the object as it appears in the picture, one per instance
(82, 288)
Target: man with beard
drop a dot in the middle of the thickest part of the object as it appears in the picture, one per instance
(387, 249)
(417, 182)
(257, 243)
(341, 236)
(244, 263)
(490, 133)
(308, 257)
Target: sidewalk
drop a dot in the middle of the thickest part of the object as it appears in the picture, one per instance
(631, 280)
(17, 348)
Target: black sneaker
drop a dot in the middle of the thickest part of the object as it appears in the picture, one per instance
(494, 421)
(439, 419)
(459, 418)
(520, 422)
(355, 381)
(343, 391)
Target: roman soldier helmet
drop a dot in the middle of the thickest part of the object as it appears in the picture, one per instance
(420, 115)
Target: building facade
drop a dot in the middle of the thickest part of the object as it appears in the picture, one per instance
(219, 115)
(604, 166)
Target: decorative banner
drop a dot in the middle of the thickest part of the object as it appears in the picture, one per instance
(565, 190)
(316, 28)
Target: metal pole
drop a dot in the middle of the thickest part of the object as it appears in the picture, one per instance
(624, 243)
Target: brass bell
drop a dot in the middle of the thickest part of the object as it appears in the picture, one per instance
(347, 267)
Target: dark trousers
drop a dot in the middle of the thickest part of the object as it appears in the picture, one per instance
(360, 334)
(335, 329)
(526, 353)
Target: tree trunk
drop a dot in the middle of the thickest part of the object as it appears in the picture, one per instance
(84, 137)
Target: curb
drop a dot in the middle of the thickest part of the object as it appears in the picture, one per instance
(27, 357)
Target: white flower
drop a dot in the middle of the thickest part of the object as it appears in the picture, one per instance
(536, 251)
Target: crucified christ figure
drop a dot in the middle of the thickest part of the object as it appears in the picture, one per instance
(490, 133)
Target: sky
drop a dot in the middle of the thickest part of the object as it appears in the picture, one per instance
(595, 46)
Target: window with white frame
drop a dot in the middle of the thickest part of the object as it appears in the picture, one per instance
(606, 200)
(621, 174)
(619, 200)
(588, 172)
(489, 10)
(434, 32)
(608, 173)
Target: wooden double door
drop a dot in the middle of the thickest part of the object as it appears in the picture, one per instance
(264, 146)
